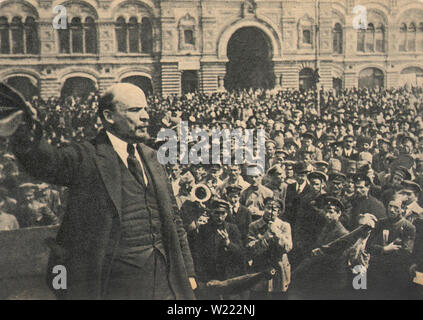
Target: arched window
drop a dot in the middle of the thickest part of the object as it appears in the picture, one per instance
(17, 35)
(4, 36)
(371, 78)
(403, 38)
(77, 35)
(121, 34)
(64, 40)
(146, 35)
(380, 38)
(134, 35)
(411, 37)
(90, 36)
(187, 39)
(31, 36)
(337, 39)
(307, 36)
(370, 38)
(361, 39)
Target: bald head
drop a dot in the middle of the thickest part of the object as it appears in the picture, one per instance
(121, 93)
(123, 111)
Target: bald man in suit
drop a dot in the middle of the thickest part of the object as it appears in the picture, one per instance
(121, 236)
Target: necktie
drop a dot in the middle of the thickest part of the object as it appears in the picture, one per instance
(134, 166)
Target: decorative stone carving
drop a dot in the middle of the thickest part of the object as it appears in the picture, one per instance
(249, 8)
(187, 33)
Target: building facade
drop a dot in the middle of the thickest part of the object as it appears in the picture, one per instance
(176, 46)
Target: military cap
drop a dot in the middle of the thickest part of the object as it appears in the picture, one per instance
(411, 185)
(233, 188)
(321, 163)
(269, 141)
(217, 205)
(337, 176)
(348, 136)
(43, 186)
(275, 169)
(281, 150)
(289, 164)
(290, 141)
(271, 200)
(361, 176)
(364, 139)
(309, 135)
(28, 185)
(302, 167)
(317, 175)
(402, 172)
(325, 200)
(382, 139)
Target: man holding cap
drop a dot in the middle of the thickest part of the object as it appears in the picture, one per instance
(238, 214)
(390, 246)
(363, 202)
(410, 191)
(253, 197)
(268, 247)
(217, 246)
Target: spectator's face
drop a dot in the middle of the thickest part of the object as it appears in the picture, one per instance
(271, 211)
(408, 195)
(290, 172)
(407, 146)
(301, 177)
(234, 172)
(361, 189)
(234, 197)
(218, 217)
(336, 186)
(394, 209)
(350, 186)
(349, 143)
(397, 180)
(332, 212)
(29, 195)
(270, 148)
(383, 147)
(316, 185)
(130, 119)
(307, 142)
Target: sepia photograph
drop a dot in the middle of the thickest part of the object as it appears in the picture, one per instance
(222, 150)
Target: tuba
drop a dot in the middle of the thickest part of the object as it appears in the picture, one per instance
(201, 193)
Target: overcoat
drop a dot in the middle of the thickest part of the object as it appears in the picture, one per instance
(89, 234)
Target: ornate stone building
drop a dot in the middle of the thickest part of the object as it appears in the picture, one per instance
(174, 46)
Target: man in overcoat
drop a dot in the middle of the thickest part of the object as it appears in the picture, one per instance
(121, 236)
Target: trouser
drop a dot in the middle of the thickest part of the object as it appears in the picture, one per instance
(150, 282)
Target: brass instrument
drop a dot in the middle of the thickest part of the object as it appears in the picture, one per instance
(201, 193)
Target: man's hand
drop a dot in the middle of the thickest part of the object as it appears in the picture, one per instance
(193, 283)
(317, 252)
(225, 236)
(392, 247)
(367, 219)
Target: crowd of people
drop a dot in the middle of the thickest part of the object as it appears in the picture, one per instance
(341, 187)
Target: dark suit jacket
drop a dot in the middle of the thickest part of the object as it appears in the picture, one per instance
(213, 261)
(90, 231)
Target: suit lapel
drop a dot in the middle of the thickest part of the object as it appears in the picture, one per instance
(108, 166)
(155, 171)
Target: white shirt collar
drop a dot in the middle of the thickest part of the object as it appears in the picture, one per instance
(120, 147)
